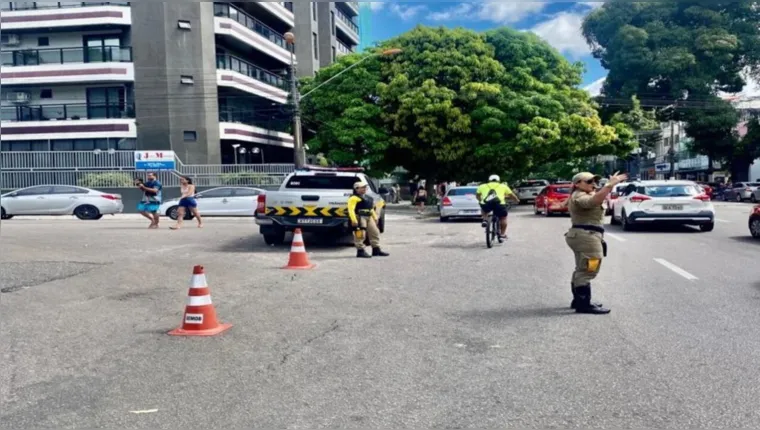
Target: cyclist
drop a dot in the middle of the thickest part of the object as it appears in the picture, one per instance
(492, 197)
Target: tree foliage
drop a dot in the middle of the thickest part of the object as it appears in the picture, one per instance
(683, 53)
(455, 104)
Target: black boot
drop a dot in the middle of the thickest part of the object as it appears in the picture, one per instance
(583, 302)
(574, 303)
(361, 253)
(377, 252)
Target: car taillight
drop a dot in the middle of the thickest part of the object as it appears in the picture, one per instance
(639, 199)
(446, 201)
(111, 196)
(261, 206)
(613, 196)
(703, 197)
(756, 210)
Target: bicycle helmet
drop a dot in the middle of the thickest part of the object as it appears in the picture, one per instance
(494, 178)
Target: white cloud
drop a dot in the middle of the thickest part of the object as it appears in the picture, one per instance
(406, 12)
(593, 4)
(495, 11)
(564, 33)
(375, 5)
(595, 88)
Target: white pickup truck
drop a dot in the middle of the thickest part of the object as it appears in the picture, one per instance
(313, 199)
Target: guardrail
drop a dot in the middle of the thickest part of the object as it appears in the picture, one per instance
(71, 111)
(228, 11)
(36, 57)
(230, 62)
(343, 49)
(26, 5)
(345, 18)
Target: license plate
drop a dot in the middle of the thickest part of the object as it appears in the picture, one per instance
(473, 212)
(310, 220)
(672, 207)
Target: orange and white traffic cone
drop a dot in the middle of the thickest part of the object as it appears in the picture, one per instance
(299, 259)
(200, 315)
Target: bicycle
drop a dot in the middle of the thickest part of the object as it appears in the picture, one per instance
(493, 228)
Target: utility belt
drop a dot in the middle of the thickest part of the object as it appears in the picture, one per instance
(363, 212)
(595, 229)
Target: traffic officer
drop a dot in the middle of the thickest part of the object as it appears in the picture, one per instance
(361, 211)
(586, 236)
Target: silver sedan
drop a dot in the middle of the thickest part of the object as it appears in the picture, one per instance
(84, 203)
(459, 202)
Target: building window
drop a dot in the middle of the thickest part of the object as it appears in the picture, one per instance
(314, 10)
(189, 136)
(332, 22)
(46, 94)
(334, 54)
(43, 41)
(184, 25)
(316, 46)
(186, 80)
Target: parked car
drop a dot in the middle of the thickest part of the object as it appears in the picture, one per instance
(527, 191)
(659, 202)
(550, 200)
(754, 222)
(755, 195)
(84, 203)
(459, 202)
(741, 191)
(609, 201)
(709, 189)
(219, 202)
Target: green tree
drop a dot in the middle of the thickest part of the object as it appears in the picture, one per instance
(455, 104)
(679, 52)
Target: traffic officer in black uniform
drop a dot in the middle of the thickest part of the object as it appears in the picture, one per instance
(586, 236)
(361, 211)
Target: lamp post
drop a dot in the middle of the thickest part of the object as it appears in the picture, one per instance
(299, 150)
(235, 147)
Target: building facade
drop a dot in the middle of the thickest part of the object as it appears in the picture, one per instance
(208, 80)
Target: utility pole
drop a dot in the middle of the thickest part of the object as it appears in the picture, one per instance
(671, 150)
(299, 155)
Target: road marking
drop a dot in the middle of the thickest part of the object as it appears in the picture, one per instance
(723, 221)
(676, 269)
(616, 237)
(146, 411)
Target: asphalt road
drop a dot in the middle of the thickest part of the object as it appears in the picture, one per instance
(443, 334)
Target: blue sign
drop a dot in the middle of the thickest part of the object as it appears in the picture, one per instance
(155, 160)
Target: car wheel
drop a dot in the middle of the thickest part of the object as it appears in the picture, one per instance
(444, 219)
(753, 199)
(3, 215)
(608, 212)
(173, 212)
(536, 210)
(754, 227)
(613, 220)
(88, 213)
(272, 239)
(707, 227)
(627, 226)
(739, 198)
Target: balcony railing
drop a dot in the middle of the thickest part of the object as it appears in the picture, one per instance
(60, 112)
(228, 11)
(30, 5)
(251, 117)
(343, 49)
(36, 57)
(287, 5)
(345, 18)
(229, 62)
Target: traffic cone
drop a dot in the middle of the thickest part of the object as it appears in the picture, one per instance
(299, 260)
(200, 315)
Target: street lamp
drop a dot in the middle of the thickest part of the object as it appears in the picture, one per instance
(299, 151)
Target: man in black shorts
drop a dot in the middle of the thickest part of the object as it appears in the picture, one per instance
(492, 197)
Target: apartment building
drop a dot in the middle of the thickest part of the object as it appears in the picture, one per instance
(208, 80)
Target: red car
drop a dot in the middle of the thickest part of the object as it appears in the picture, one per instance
(550, 200)
(708, 189)
(754, 222)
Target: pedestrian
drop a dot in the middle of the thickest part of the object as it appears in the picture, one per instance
(396, 193)
(187, 203)
(151, 199)
(361, 211)
(586, 236)
(420, 199)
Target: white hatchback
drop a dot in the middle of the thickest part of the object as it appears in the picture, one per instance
(664, 202)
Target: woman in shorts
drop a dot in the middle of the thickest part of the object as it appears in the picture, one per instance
(420, 199)
(187, 203)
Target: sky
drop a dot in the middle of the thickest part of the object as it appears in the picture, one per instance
(559, 23)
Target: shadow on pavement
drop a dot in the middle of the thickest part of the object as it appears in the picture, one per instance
(746, 239)
(256, 244)
(495, 315)
(654, 229)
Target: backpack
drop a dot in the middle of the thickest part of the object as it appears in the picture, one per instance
(491, 196)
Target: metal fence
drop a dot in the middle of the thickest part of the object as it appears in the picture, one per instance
(115, 169)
